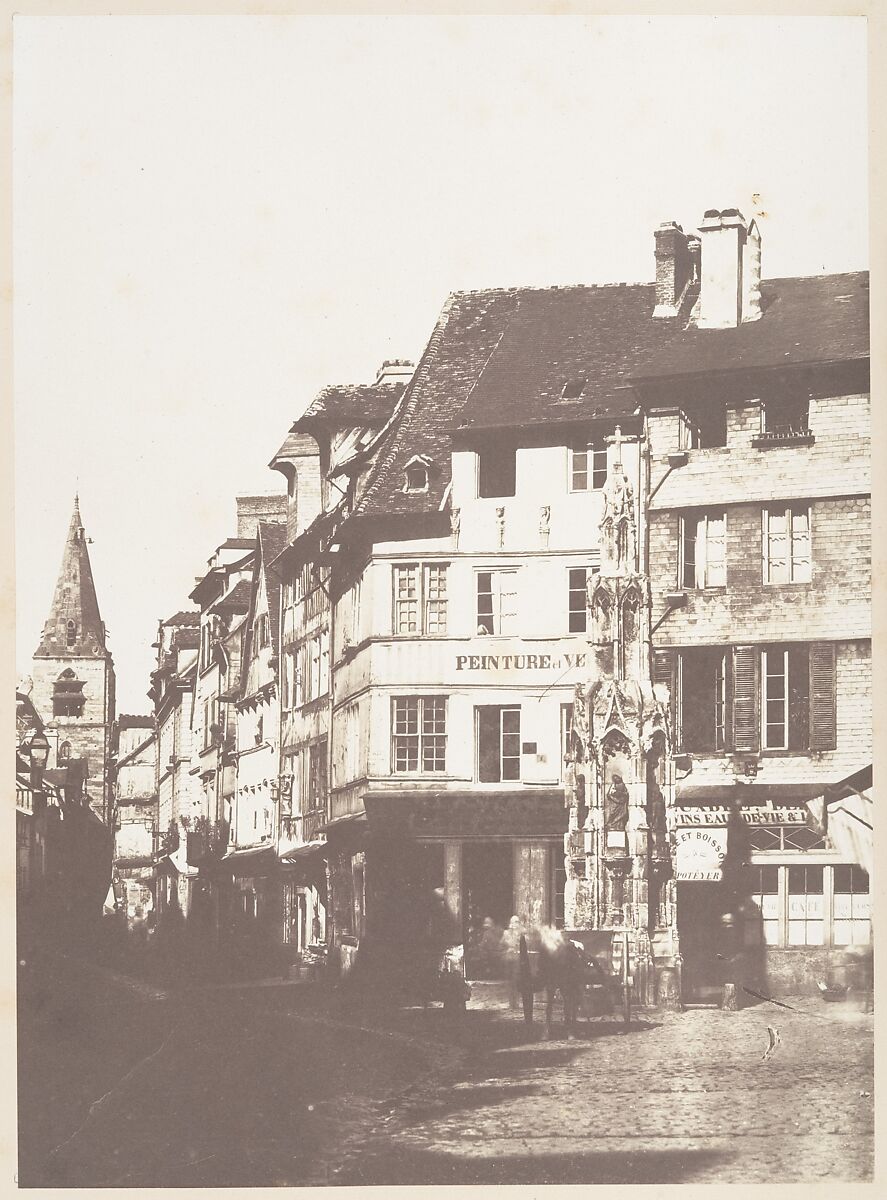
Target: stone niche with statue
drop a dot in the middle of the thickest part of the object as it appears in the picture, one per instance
(619, 759)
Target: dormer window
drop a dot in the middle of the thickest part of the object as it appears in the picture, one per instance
(416, 474)
(573, 389)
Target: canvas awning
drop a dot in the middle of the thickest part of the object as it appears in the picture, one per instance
(845, 814)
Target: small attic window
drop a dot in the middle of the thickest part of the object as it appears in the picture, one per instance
(416, 474)
(573, 389)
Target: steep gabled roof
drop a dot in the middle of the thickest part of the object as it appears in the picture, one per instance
(812, 319)
(75, 606)
(536, 357)
(272, 543)
(346, 403)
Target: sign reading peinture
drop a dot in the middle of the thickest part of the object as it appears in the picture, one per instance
(700, 854)
(519, 662)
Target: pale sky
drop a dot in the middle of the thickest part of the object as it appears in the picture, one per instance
(214, 217)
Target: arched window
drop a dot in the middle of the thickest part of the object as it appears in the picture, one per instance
(71, 632)
(64, 751)
(67, 695)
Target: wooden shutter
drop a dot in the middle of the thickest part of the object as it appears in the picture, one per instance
(665, 663)
(823, 732)
(746, 721)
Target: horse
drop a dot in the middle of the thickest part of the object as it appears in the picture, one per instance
(561, 968)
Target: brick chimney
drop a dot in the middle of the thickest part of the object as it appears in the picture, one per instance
(674, 268)
(730, 277)
(395, 370)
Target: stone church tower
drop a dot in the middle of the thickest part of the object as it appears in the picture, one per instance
(73, 673)
(619, 779)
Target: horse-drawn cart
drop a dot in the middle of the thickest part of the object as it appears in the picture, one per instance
(583, 967)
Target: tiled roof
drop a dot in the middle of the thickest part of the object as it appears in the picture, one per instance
(237, 598)
(499, 359)
(272, 543)
(362, 404)
(816, 318)
(192, 617)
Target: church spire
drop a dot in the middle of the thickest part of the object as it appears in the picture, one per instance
(74, 627)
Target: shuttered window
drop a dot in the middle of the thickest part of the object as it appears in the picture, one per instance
(665, 672)
(745, 699)
(823, 731)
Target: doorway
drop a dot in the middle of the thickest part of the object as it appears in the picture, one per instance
(701, 938)
(487, 897)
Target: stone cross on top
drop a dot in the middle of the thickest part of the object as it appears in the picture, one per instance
(616, 439)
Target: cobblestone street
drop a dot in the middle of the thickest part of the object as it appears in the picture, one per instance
(684, 1097)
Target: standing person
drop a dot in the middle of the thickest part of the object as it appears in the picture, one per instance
(511, 954)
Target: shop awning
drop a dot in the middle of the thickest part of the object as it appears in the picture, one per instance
(443, 814)
(784, 795)
(307, 850)
(845, 813)
(255, 860)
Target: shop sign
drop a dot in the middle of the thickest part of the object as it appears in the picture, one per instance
(519, 662)
(700, 854)
(719, 815)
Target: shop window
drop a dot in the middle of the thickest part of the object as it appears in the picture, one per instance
(419, 734)
(762, 920)
(703, 699)
(496, 471)
(805, 906)
(852, 906)
(779, 838)
(577, 616)
(786, 701)
(703, 540)
(498, 743)
(67, 695)
(496, 602)
(786, 544)
(420, 598)
(588, 467)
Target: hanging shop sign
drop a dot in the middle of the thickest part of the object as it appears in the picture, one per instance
(700, 854)
(719, 815)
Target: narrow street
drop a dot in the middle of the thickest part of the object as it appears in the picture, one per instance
(125, 1086)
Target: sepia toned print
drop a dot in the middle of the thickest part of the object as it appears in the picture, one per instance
(499, 810)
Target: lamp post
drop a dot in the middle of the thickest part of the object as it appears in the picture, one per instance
(38, 752)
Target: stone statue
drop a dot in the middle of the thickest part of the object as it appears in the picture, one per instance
(544, 524)
(617, 524)
(580, 715)
(455, 525)
(616, 806)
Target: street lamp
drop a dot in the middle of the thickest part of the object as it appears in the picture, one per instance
(38, 753)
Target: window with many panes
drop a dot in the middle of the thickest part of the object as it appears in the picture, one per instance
(785, 678)
(498, 743)
(805, 905)
(703, 550)
(762, 916)
(852, 906)
(420, 598)
(577, 604)
(313, 668)
(496, 602)
(786, 544)
(702, 709)
(317, 776)
(588, 467)
(419, 734)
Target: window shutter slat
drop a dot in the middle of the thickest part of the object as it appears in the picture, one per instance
(746, 726)
(665, 672)
(823, 722)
